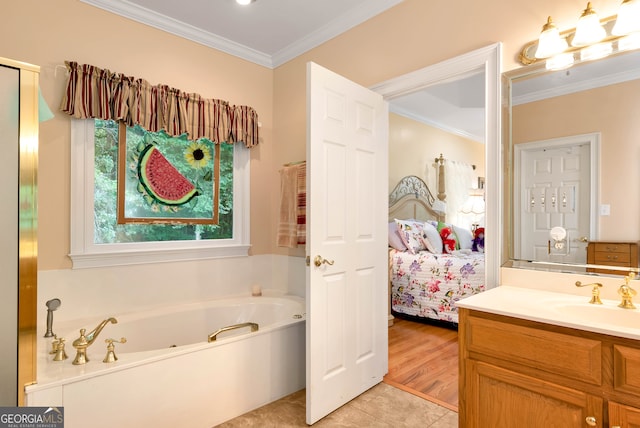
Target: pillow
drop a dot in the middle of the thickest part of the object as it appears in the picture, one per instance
(395, 241)
(449, 238)
(465, 237)
(432, 239)
(411, 234)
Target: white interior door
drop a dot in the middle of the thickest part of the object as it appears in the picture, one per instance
(346, 330)
(556, 190)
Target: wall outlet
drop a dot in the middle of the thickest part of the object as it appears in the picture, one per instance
(605, 209)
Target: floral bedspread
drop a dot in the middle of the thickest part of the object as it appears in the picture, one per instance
(428, 285)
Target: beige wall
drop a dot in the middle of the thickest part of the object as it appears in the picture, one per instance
(408, 37)
(47, 33)
(412, 35)
(612, 111)
(414, 147)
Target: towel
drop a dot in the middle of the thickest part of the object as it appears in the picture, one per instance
(292, 225)
(301, 198)
(288, 222)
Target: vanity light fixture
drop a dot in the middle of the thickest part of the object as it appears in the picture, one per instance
(628, 18)
(588, 30)
(550, 43)
(591, 39)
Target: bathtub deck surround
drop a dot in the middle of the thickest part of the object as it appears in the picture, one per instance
(167, 374)
(98, 293)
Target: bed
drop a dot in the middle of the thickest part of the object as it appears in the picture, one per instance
(428, 276)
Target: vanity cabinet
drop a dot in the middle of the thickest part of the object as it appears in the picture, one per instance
(623, 254)
(519, 373)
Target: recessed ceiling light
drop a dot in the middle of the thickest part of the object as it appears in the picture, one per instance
(244, 2)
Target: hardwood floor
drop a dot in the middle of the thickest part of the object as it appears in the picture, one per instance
(423, 360)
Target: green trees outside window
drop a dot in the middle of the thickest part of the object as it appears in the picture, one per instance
(106, 229)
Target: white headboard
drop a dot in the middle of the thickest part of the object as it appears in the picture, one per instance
(411, 198)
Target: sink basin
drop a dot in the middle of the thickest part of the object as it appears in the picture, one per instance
(568, 310)
(601, 315)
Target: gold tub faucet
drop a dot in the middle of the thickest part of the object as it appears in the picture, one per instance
(85, 340)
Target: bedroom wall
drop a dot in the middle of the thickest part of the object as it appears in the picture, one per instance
(414, 146)
(596, 111)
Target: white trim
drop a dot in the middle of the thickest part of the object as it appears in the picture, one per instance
(450, 129)
(487, 59)
(334, 28)
(593, 140)
(162, 22)
(559, 90)
(86, 254)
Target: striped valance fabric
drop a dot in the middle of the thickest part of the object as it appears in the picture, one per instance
(99, 93)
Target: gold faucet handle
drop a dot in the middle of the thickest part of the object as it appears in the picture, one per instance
(54, 345)
(61, 355)
(111, 354)
(595, 292)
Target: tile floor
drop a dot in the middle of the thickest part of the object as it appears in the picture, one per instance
(381, 406)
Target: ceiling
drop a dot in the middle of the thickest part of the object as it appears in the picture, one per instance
(266, 32)
(272, 32)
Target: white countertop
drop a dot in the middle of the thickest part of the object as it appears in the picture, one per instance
(567, 310)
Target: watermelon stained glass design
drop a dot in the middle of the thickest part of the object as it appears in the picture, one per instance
(161, 180)
(159, 183)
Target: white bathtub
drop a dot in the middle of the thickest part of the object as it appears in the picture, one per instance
(168, 374)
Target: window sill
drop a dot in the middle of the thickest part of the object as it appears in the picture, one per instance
(136, 257)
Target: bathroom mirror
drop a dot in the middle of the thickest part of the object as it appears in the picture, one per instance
(573, 149)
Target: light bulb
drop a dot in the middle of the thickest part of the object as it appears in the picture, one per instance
(550, 43)
(589, 30)
(628, 20)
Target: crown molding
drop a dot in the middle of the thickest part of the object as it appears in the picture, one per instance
(338, 26)
(162, 22)
(556, 91)
(436, 124)
(334, 28)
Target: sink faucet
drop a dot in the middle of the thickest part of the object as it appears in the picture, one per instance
(85, 340)
(595, 292)
(627, 293)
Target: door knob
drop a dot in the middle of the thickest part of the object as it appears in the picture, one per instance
(583, 239)
(319, 261)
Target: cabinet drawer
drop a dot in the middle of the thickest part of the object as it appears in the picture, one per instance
(626, 369)
(611, 247)
(569, 356)
(610, 258)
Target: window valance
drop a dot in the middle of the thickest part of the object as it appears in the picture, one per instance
(101, 94)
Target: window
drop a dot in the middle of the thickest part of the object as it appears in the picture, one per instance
(98, 240)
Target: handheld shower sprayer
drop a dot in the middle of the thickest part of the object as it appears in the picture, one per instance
(52, 305)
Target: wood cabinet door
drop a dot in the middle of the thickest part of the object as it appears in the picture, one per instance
(500, 398)
(621, 416)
